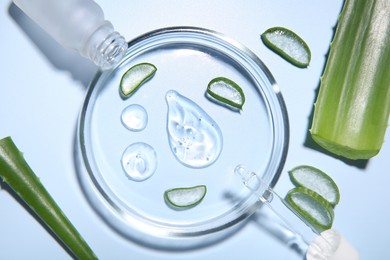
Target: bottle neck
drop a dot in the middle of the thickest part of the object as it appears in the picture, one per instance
(105, 47)
(78, 25)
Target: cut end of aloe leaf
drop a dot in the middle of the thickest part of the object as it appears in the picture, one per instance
(184, 198)
(226, 92)
(344, 150)
(317, 181)
(316, 212)
(352, 109)
(135, 77)
(288, 45)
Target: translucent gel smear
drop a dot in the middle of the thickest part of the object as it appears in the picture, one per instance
(139, 161)
(134, 117)
(195, 138)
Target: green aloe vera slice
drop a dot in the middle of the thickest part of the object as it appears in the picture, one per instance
(226, 91)
(288, 45)
(317, 181)
(187, 197)
(314, 210)
(135, 77)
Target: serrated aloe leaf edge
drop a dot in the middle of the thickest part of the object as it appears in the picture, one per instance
(15, 171)
(353, 104)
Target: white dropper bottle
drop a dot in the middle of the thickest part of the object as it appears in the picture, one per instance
(78, 25)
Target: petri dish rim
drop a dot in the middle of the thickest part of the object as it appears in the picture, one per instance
(152, 231)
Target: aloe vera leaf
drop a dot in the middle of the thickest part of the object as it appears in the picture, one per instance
(353, 105)
(15, 171)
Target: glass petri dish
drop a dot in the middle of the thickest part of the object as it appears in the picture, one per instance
(186, 58)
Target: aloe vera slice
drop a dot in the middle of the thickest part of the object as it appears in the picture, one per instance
(314, 210)
(317, 181)
(185, 197)
(353, 104)
(288, 45)
(135, 77)
(226, 91)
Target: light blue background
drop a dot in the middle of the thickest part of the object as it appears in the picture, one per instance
(43, 86)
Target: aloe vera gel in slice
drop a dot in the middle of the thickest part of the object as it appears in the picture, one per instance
(135, 77)
(317, 181)
(288, 45)
(227, 92)
(183, 198)
(312, 208)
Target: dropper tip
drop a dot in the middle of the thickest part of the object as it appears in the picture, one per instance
(242, 172)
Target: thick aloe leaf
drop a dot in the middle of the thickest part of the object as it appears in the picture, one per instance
(353, 105)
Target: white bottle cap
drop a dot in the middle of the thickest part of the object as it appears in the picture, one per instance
(331, 245)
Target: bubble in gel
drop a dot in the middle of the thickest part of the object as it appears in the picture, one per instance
(134, 117)
(194, 137)
(139, 161)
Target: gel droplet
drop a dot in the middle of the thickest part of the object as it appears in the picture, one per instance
(139, 161)
(195, 138)
(134, 117)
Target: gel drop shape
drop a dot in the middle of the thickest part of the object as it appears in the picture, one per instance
(134, 117)
(139, 161)
(194, 137)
